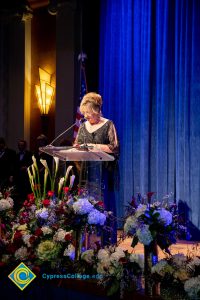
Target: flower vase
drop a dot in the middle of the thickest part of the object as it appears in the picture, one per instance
(78, 238)
(150, 259)
(81, 243)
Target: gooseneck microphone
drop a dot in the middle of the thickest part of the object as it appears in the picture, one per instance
(82, 120)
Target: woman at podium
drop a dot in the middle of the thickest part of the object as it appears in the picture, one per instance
(100, 133)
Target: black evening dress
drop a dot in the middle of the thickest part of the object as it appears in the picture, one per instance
(107, 171)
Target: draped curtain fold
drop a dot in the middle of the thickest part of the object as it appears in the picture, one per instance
(150, 82)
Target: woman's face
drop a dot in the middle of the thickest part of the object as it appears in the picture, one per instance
(93, 118)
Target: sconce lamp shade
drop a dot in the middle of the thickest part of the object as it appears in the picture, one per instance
(44, 92)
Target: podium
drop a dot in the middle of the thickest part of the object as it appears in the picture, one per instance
(88, 162)
(75, 154)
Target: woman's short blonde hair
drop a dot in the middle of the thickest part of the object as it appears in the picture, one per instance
(93, 101)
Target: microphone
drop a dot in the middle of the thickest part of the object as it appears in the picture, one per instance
(82, 120)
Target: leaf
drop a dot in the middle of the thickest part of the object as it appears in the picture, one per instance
(153, 233)
(134, 241)
(156, 215)
(114, 288)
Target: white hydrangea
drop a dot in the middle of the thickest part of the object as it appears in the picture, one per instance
(193, 263)
(10, 200)
(82, 206)
(96, 217)
(103, 254)
(88, 255)
(119, 253)
(130, 224)
(21, 253)
(138, 258)
(103, 266)
(59, 236)
(5, 204)
(46, 230)
(70, 251)
(140, 210)
(179, 259)
(192, 287)
(144, 235)
(160, 267)
(26, 239)
(165, 216)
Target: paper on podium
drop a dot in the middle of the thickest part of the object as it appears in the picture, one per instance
(74, 154)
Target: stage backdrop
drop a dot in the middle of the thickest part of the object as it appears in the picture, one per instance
(150, 83)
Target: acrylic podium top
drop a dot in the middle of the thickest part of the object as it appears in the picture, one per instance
(77, 154)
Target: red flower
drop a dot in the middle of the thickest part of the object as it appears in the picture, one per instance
(3, 226)
(68, 237)
(100, 203)
(6, 194)
(30, 197)
(11, 248)
(123, 260)
(17, 235)
(32, 239)
(21, 221)
(24, 214)
(46, 202)
(38, 232)
(31, 201)
(80, 191)
(60, 210)
(55, 226)
(150, 194)
(66, 189)
(32, 256)
(50, 193)
(25, 203)
(133, 202)
(2, 264)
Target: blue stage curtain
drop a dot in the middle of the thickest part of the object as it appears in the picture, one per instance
(150, 82)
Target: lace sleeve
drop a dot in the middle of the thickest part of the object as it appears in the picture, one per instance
(113, 139)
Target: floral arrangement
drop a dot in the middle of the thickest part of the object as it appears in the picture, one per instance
(178, 275)
(118, 270)
(6, 202)
(49, 230)
(148, 222)
(6, 212)
(52, 231)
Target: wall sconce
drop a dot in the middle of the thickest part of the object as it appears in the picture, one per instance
(44, 92)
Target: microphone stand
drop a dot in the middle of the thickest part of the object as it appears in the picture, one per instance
(61, 134)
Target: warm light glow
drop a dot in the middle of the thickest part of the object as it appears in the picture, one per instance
(44, 92)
